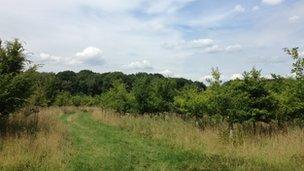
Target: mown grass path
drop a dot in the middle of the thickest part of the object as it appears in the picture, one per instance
(102, 147)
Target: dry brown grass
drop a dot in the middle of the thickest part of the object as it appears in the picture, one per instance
(45, 149)
(280, 150)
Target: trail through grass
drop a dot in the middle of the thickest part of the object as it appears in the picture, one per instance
(104, 147)
(68, 139)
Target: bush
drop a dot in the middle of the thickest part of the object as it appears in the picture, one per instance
(63, 99)
(191, 102)
(118, 98)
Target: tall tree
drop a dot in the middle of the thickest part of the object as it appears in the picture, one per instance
(12, 57)
(144, 94)
(15, 85)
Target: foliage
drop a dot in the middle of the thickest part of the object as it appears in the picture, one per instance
(262, 104)
(216, 76)
(16, 85)
(191, 101)
(12, 57)
(63, 99)
(67, 81)
(165, 91)
(118, 98)
(14, 91)
(145, 96)
(298, 65)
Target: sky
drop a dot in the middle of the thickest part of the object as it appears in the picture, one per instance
(177, 38)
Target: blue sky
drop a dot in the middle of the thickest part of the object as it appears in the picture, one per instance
(180, 38)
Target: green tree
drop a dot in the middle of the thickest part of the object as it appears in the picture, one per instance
(263, 105)
(16, 85)
(67, 81)
(88, 83)
(118, 98)
(145, 96)
(216, 77)
(298, 64)
(229, 101)
(12, 57)
(165, 90)
(192, 102)
(244, 100)
(45, 89)
(63, 98)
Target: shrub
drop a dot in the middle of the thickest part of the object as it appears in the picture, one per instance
(63, 99)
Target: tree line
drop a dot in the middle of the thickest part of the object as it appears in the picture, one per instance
(251, 99)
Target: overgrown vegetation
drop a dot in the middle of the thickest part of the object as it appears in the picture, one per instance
(36, 142)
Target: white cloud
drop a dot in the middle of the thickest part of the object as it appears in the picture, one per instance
(140, 65)
(112, 6)
(217, 17)
(232, 48)
(203, 45)
(218, 48)
(270, 29)
(90, 56)
(268, 60)
(239, 8)
(197, 43)
(272, 2)
(89, 52)
(294, 19)
(44, 57)
(165, 6)
(236, 76)
(255, 8)
(214, 49)
(200, 43)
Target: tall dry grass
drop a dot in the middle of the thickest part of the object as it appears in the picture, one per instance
(35, 142)
(280, 150)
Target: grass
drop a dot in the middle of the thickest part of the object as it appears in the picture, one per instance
(105, 147)
(46, 149)
(70, 138)
(280, 151)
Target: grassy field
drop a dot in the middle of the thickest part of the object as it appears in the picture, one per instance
(95, 139)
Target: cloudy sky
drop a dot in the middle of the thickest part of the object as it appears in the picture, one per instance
(173, 37)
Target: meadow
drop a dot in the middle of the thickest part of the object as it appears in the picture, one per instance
(92, 138)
